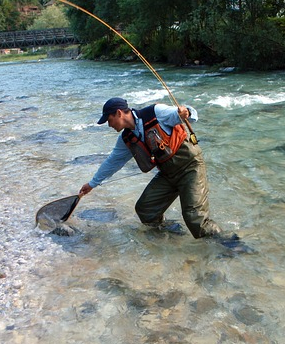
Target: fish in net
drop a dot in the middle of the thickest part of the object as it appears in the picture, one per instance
(54, 213)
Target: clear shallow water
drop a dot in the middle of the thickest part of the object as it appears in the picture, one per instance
(115, 282)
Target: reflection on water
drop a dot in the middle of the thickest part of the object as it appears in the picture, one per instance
(113, 280)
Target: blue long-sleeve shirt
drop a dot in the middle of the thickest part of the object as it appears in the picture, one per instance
(167, 117)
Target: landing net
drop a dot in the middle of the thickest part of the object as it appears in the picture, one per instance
(53, 213)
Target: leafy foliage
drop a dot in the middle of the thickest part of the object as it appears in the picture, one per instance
(51, 17)
(244, 33)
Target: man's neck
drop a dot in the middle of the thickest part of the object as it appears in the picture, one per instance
(130, 121)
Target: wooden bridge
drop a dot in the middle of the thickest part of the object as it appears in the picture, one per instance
(37, 38)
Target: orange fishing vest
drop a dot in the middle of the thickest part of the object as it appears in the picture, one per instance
(158, 146)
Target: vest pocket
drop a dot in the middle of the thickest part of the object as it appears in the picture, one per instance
(142, 156)
(158, 147)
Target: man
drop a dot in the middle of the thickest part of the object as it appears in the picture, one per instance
(155, 136)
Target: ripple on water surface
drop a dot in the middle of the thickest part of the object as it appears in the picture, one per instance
(113, 280)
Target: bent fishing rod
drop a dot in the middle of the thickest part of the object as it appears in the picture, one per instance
(142, 58)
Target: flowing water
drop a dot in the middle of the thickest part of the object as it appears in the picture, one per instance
(114, 281)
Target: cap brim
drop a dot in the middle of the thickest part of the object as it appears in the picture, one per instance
(103, 119)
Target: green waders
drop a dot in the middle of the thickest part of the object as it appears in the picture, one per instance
(183, 175)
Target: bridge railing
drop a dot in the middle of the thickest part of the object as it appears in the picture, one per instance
(35, 38)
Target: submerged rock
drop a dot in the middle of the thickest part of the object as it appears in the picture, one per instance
(280, 148)
(170, 299)
(22, 97)
(99, 214)
(228, 69)
(248, 315)
(30, 108)
(89, 159)
(141, 300)
(203, 305)
(86, 309)
(113, 286)
(47, 136)
(64, 230)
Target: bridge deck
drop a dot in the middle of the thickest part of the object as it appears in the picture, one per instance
(36, 38)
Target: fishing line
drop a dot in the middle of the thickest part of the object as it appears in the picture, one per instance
(140, 56)
(60, 210)
(143, 59)
(120, 178)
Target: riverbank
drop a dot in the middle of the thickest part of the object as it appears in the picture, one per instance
(22, 57)
(71, 51)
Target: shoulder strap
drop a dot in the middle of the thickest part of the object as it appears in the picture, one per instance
(146, 114)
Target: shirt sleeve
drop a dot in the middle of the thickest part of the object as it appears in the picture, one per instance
(168, 115)
(193, 113)
(119, 156)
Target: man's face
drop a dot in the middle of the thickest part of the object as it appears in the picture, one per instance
(115, 121)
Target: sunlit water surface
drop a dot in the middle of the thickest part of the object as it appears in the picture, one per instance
(114, 281)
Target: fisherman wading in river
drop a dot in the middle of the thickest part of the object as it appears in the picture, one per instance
(156, 137)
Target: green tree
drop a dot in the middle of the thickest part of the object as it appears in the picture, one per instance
(51, 17)
(10, 16)
(2, 20)
(251, 39)
(89, 28)
(245, 33)
(237, 32)
(156, 26)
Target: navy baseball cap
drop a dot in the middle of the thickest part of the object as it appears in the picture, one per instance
(111, 106)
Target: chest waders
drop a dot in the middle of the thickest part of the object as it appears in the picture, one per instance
(183, 174)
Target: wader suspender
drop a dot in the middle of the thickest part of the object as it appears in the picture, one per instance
(158, 146)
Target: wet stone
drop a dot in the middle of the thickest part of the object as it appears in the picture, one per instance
(111, 285)
(98, 214)
(47, 136)
(153, 235)
(64, 230)
(141, 301)
(248, 315)
(204, 305)
(22, 97)
(30, 108)
(280, 149)
(237, 298)
(86, 309)
(73, 243)
(174, 335)
(211, 279)
(170, 299)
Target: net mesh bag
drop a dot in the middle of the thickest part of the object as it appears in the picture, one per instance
(51, 214)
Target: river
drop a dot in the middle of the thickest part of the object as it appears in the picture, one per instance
(113, 281)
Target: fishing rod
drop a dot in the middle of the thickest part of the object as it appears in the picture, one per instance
(139, 55)
(142, 58)
(60, 210)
